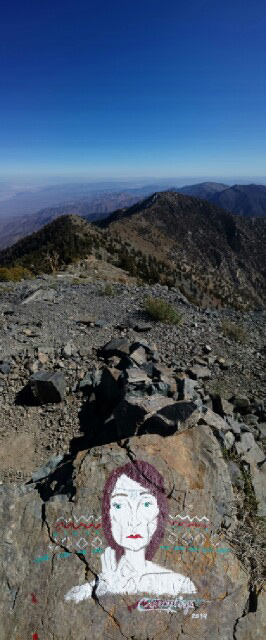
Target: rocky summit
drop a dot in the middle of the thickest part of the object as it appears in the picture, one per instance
(133, 464)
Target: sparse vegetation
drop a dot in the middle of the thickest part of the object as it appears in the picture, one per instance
(160, 310)
(14, 274)
(109, 290)
(234, 331)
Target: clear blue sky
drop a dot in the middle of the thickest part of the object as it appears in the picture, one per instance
(133, 87)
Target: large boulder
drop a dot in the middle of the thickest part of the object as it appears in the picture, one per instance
(67, 540)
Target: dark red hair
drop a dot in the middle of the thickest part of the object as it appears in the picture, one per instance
(146, 475)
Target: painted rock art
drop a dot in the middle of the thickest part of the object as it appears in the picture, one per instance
(134, 516)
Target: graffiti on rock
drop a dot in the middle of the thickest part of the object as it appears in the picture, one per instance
(134, 517)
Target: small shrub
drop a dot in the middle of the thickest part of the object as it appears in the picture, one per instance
(162, 311)
(14, 274)
(108, 290)
(234, 331)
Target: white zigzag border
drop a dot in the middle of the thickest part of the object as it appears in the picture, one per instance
(66, 520)
(188, 518)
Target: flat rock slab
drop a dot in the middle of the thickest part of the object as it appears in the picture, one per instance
(40, 295)
(199, 372)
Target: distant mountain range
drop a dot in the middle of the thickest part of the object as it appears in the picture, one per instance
(92, 207)
(214, 257)
(245, 200)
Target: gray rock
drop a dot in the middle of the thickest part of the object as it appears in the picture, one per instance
(45, 470)
(37, 573)
(241, 403)
(67, 350)
(86, 384)
(235, 474)
(258, 479)
(234, 425)
(40, 295)
(262, 430)
(214, 420)
(142, 327)
(115, 347)
(48, 386)
(5, 367)
(135, 375)
(174, 417)
(87, 320)
(249, 450)
(221, 405)
(139, 356)
(197, 372)
(148, 367)
(229, 440)
(165, 375)
(186, 388)
(132, 411)
(252, 626)
(101, 324)
(225, 363)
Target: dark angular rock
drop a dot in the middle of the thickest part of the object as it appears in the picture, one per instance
(131, 412)
(221, 406)
(241, 404)
(142, 327)
(149, 368)
(171, 418)
(48, 386)
(108, 390)
(116, 347)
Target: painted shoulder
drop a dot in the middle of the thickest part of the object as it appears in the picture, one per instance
(167, 581)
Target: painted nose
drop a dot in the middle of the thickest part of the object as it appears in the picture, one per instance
(134, 518)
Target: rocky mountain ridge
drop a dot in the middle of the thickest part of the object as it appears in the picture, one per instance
(214, 257)
(216, 254)
(244, 200)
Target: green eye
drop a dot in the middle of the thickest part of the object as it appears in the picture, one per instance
(117, 506)
(147, 504)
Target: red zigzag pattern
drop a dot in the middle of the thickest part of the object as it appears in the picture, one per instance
(71, 525)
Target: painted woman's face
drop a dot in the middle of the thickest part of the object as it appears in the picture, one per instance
(133, 513)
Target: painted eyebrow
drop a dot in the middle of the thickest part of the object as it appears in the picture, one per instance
(142, 493)
(146, 493)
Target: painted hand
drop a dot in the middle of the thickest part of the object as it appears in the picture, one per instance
(118, 576)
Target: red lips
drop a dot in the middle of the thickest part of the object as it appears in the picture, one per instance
(135, 537)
